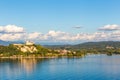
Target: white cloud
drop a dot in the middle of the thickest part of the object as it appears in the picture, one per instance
(34, 35)
(56, 33)
(11, 29)
(18, 33)
(52, 33)
(11, 37)
(110, 27)
(59, 35)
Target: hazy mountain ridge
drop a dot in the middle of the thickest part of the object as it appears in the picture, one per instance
(88, 45)
(102, 44)
(4, 43)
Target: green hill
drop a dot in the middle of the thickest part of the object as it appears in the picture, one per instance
(96, 45)
(89, 45)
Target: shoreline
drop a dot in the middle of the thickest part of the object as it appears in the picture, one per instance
(27, 57)
(39, 57)
(45, 57)
(24, 57)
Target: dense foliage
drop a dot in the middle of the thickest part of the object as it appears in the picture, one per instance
(108, 48)
(9, 50)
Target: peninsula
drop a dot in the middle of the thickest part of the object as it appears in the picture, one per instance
(31, 50)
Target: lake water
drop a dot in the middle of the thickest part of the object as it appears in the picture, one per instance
(91, 67)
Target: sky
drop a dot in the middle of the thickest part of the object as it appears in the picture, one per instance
(60, 20)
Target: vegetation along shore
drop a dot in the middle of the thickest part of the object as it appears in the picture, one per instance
(31, 50)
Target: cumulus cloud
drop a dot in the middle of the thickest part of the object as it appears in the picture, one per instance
(11, 29)
(13, 32)
(33, 35)
(12, 37)
(110, 27)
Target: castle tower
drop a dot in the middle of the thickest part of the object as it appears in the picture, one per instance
(29, 43)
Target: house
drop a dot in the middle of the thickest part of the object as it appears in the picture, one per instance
(109, 47)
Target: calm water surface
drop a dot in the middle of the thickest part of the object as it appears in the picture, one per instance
(91, 67)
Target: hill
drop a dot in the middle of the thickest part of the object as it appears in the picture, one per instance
(100, 45)
(88, 45)
(4, 43)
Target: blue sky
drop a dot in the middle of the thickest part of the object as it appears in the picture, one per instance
(45, 15)
(60, 15)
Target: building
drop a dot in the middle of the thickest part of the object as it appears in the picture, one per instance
(109, 47)
(29, 43)
(26, 43)
(26, 47)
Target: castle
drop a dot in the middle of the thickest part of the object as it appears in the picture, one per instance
(27, 47)
(26, 43)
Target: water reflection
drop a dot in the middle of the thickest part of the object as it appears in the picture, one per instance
(91, 67)
(11, 68)
(28, 64)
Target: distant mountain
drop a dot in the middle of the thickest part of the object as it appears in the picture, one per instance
(88, 45)
(5, 43)
(101, 45)
(50, 43)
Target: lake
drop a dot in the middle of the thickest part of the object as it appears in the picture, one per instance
(91, 67)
